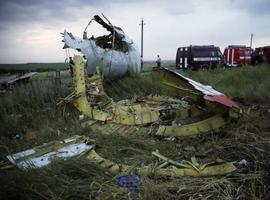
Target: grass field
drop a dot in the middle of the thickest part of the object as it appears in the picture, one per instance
(251, 83)
(29, 117)
(37, 67)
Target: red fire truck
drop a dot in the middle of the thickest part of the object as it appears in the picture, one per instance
(236, 55)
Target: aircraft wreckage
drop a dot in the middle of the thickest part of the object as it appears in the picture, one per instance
(115, 53)
(190, 108)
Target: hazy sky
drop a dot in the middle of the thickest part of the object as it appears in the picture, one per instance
(30, 29)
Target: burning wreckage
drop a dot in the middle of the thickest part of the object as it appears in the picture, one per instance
(112, 56)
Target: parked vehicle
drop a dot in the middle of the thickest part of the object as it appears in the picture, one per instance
(260, 55)
(197, 57)
(236, 55)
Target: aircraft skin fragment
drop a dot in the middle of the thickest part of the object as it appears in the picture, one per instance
(43, 155)
(111, 61)
(195, 90)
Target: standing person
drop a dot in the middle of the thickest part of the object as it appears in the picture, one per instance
(71, 66)
(141, 64)
(158, 61)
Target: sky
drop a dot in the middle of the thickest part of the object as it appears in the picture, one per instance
(30, 29)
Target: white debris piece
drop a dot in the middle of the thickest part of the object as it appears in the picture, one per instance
(115, 54)
(81, 117)
(205, 89)
(45, 159)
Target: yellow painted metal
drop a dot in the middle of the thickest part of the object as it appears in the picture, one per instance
(189, 170)
(104, 163)
(191, 111)
(134, 115)
(128, 115)
(203, 126)
(88, 123)
(221, 169)
(234, 114)
(193, 168)
(81, 102)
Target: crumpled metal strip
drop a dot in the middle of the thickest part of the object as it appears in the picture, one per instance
(114, 168)
(204, 126)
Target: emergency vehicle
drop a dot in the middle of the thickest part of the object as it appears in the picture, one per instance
(261, 54)
(236, 55)
(196, 57)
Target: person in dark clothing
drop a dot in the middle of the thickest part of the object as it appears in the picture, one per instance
(158, 61)
(71, 66)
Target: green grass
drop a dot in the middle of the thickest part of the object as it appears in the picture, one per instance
(29, 117)
(251, 83)
(37, 67)
(133, 86)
